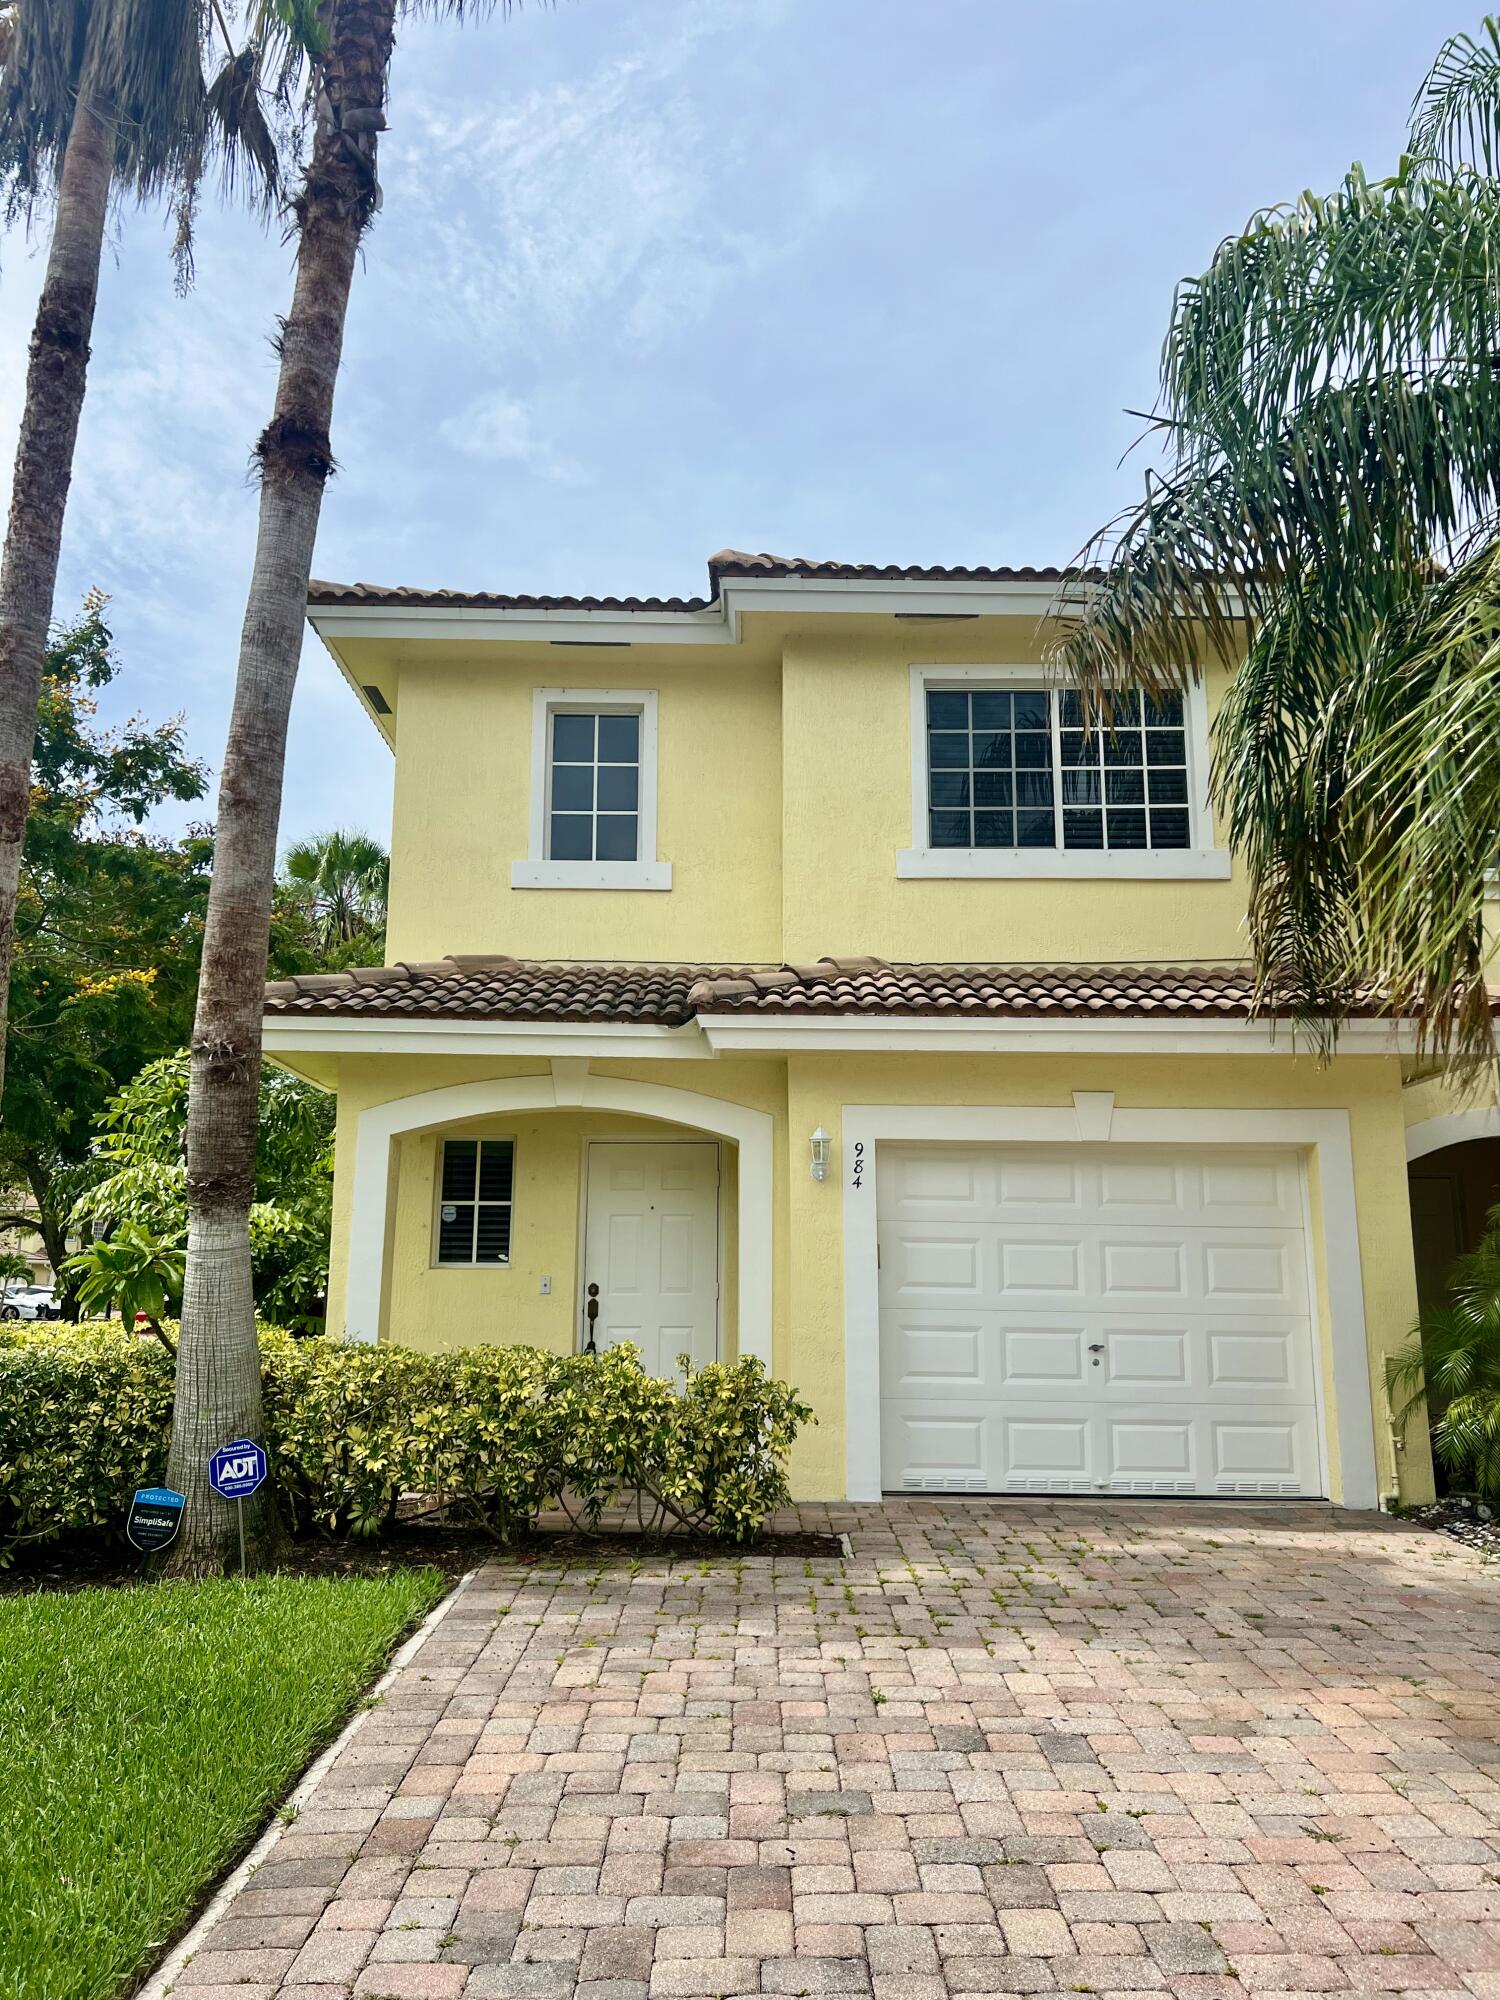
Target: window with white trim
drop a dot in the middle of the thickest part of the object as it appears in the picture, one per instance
(1009, 780)
(475, 1195)
(594, 785)
(593, 792)
(1017, 768)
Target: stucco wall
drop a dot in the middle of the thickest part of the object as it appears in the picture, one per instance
(802, 1092)
(463, 801)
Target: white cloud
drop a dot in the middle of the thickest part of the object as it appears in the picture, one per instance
(595, 206)
(500, 428)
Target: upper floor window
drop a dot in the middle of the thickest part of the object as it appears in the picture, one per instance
(593, 792)
(595, 786)
(475, 1194)
(1020, 770)
(1008, 780)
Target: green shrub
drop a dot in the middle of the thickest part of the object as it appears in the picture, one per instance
(1452, 1366)
(494, 1433)
(83, 1422)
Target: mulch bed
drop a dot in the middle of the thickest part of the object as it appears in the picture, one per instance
(1466, 1520)
(88, 1563)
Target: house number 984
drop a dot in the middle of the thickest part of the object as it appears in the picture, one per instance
(857, 1176)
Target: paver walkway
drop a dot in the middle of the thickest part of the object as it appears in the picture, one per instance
(1008, 1747)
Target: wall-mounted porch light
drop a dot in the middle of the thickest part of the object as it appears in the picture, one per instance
(822, 1152)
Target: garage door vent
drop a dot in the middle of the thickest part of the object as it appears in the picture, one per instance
(945, 1482)
(1264, 1489)
(1043, 1485)
(1165, 1486)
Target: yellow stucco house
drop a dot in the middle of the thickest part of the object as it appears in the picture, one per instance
(788, 973)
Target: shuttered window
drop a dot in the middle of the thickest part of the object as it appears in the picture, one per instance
(474, 1207)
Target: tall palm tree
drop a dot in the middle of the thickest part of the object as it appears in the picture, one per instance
(96, 96)
(343, 879)
(347, 46)
(1327, 518)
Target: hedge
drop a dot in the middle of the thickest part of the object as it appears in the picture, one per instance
(495, 1434)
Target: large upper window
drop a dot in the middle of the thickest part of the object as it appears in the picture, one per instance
(593, 792)
(1009, 780)
(474, 1205)
(594, 798)
(1018, 769)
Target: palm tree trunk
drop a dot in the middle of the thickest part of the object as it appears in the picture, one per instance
(218, 1358)
(56, 376)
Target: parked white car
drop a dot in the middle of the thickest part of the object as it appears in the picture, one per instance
(29, 1302)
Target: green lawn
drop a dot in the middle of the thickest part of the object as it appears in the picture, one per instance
(145, 1735)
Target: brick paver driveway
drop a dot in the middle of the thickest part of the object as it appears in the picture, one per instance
(1008, 1747)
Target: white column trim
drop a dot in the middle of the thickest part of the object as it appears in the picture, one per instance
(381, 1124)
(1452, 1128)
(1322, 1134)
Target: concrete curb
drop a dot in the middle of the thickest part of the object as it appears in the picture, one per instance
(159, 1983)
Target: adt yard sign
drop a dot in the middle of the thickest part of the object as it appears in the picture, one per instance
(235, 1470)
(154, 1518)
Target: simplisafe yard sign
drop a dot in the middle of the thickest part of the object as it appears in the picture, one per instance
(234, 1472)
(154, 1518)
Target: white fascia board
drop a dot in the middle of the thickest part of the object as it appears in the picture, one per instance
(308, 1035)
(917, 597)
(717, 625)
(478, 622)
(827, 1033)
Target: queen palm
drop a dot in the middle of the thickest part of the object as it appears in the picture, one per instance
(346, 45)
(96, 97)
(1327, 518)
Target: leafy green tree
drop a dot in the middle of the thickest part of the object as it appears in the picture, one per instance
(331, 902)
(141, 1181)
(134, 1272)
(109, 923)
(97, 98)
(1327, 516)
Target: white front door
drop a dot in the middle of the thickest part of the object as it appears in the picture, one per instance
(1095, 1320)
(651, 1245)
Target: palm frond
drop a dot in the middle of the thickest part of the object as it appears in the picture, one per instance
(1455, 115)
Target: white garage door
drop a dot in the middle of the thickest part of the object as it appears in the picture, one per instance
(1094, 1320)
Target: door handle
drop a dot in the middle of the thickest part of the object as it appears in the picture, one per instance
(591, 1313)
(1096, 1347)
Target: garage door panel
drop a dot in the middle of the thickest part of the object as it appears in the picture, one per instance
(1105, 1356)
(936, 1356)
(1100, 1321)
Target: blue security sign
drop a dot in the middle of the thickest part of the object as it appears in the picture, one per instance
(154, 1518)
(235, 1470)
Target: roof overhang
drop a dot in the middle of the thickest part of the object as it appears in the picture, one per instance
(711, 1035)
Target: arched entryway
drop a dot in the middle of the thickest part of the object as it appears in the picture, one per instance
(569, 1085)
(1453, 1178)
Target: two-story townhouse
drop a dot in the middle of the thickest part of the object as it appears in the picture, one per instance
(788, 972)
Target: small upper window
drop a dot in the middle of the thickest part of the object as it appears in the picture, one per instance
(592, 820)
(1016, 768)
(474, 1208)
(594, 787)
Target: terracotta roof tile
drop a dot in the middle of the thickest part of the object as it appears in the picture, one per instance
(507, 989)
(728, 563)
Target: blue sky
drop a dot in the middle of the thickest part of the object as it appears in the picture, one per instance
(866, 279)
